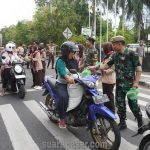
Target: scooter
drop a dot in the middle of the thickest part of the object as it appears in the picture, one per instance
(145, 142)
(86, 108)
(16, 83)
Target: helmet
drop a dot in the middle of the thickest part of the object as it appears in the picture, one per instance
(69, 46)
(10, 46)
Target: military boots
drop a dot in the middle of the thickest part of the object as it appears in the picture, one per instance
(122, 125)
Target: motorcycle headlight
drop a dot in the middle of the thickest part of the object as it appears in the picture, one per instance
(89, 84)
(18, 69)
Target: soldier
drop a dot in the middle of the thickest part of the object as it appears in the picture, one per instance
(91, 56)
(128, 72)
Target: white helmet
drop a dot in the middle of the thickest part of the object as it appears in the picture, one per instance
(10, 46)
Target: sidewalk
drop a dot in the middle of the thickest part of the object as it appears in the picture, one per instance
(145, 79)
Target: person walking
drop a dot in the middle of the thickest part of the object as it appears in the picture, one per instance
(140, 51)
(108, 77)
(38, 68)
(51, 48)
(128, 72)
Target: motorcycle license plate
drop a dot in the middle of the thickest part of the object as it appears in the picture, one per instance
(20, 76)
(99, 99)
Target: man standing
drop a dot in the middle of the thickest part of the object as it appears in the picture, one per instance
(91, 56)
(140, 51)
(51, 48)
(128, 72)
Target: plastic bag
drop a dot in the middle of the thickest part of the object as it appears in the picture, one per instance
(75, 92)
(86, 73)
(132, 93)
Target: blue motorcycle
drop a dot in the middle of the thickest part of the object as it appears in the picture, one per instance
(86, 108)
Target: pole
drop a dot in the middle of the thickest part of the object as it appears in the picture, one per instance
(94, 20)
(107, 23)
(115, 15)
(89, 17)
(100, 42)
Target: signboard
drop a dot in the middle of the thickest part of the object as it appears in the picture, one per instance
(67, 33)
(1, 39)
(86, 31)
(148, 37)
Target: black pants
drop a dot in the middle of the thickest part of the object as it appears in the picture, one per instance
(63, 99)
(108, 89)
(51, 59)
(33, 76)
(5, 77)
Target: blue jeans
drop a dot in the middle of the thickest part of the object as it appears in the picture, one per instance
(63, 99)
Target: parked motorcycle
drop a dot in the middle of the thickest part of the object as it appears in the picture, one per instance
(87, 109)
(145, 142)
(16, 83)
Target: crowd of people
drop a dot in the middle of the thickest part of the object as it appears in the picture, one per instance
(119, 67)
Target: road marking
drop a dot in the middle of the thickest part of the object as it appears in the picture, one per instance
(19, 136)
(65, 137)
(144, 95)
(144, 75)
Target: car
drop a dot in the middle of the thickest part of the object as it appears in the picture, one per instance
(133, 46)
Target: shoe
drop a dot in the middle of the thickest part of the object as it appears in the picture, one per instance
(38, 87)
(122, 125)
(35, 87)
(140, 122)
(62, 124)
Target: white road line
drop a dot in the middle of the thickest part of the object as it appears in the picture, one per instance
(144, 75)
(19, 136)
(144, 95)
(66, 138)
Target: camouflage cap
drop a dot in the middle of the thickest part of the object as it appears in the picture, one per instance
(118, 38)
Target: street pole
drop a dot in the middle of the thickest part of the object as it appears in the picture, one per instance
(100, 42)
(115, 15)
(107, 23)
(94, 20)
(89, 16)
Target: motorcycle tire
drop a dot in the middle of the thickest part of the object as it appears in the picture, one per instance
(53, 116)
(21, 92)
(102, 140)
(145, 143)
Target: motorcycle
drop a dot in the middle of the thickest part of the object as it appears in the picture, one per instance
(16, 83)
(85, 109)
(145, 142)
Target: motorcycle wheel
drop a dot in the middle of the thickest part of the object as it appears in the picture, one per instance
(145, 143)
(52, 114)
(21, 92)
(109, 135)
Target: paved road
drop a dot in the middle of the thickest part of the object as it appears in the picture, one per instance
(24, 125)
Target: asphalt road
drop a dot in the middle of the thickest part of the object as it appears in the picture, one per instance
(25, 126)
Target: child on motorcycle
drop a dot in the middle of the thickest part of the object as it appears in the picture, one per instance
(63, 65)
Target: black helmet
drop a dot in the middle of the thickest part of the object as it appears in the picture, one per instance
(69, 46)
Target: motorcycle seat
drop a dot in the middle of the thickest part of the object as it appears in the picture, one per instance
(148, 110)
(52, 82)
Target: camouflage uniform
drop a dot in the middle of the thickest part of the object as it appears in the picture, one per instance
(125, 66)
(90, 56)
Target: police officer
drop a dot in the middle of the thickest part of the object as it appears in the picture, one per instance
(128, 72)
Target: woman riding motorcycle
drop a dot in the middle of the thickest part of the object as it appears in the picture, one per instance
(8, 57)
(63, 65)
